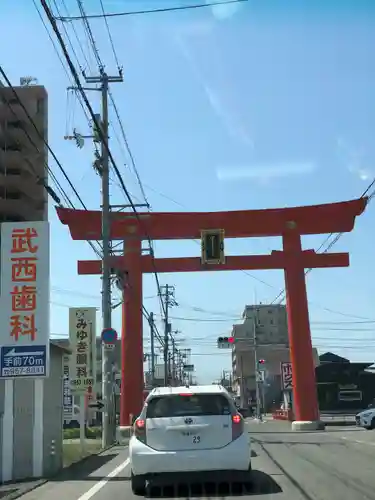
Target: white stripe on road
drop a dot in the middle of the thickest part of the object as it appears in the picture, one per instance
(99, 485)
(357, 441)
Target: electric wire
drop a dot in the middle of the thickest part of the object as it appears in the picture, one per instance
(150, 11)
(100, 133)
(109, 35)
(337, 236)
(58, 53)
(32, 122)
(87, 28)
(96, 53)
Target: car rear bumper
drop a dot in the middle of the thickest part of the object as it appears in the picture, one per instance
(234, 457)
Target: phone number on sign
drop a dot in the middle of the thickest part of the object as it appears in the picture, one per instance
(25, 370)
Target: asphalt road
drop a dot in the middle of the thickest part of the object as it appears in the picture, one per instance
(330, 465)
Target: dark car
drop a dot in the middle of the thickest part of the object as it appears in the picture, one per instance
(245, 412)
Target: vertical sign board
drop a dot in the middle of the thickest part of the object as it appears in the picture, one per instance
(286, 376)
(82, 336)
(67, 393)
(24, 300)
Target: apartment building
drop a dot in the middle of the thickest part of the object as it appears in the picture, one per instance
(267, 325)
(23, 154)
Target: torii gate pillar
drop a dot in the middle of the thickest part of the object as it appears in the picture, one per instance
(305, 404)
(131, 399)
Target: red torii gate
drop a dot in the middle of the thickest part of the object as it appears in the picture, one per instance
(289, 223)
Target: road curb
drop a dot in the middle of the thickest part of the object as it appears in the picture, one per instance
(41, 482)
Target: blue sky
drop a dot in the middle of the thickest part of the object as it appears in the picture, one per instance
(232, 107)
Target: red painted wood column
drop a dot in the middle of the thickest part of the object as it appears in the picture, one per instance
(131, 398)
(305, 399)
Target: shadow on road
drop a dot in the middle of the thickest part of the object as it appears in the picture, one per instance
(80, 471)
(259, 483)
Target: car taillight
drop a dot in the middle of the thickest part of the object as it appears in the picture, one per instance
(237, 426)
(140, 429)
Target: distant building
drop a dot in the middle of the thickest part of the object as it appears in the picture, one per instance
(342, 385)
(23, 154)
(268, 322)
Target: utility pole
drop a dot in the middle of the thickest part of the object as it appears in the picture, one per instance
(166, 332)
(168, 293)
(256, 361)
(108, 432)
(152, 336)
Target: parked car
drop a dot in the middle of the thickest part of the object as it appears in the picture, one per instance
(366, 418)
(186, 431)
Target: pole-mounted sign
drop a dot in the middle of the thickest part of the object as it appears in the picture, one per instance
(109, 338)
(212, 241)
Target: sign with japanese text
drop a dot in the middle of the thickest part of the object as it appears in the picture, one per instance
(24, 300)
(286, 376)
(67, 393)
(82, 336)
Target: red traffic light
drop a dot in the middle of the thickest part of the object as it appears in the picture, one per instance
(231, 340)
(261, 361)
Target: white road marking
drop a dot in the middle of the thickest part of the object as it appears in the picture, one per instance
(100, 484)
(357, 441)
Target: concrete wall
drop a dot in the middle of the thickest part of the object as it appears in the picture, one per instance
(23, 412)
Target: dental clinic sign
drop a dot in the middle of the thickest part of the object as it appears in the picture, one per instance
(24, 300)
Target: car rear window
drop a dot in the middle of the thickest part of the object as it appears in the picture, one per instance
(194, 405)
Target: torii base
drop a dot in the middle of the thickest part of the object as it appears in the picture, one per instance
(308, 425)
(123, 434)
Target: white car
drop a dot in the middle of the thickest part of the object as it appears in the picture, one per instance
(366, 418)
(183, 432)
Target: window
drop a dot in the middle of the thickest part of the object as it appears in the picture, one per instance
(40, 106)
(350, 396)
(10, 171)
(15, 124)
(183, 406)
(12, 196)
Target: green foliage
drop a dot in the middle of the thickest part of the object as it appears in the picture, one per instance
(91, 433)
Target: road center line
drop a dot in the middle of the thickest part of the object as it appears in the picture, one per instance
(100, 484)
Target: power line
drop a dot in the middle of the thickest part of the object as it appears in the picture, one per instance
(41, 137)
(150, 11)
(100, 133)
(281, 295)
(109, 35)
(48, 188)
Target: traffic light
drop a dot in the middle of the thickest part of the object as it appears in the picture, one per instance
(261, 361)
(212, 241)
(225, 342)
